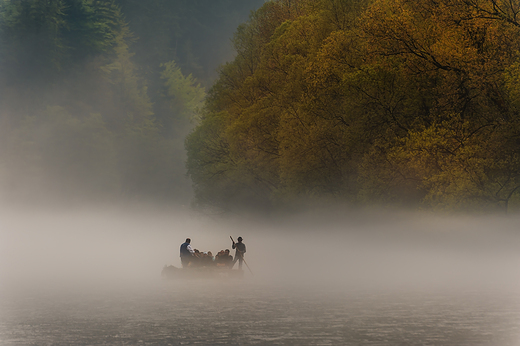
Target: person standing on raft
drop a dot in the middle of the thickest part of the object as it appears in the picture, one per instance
(186, 253)
(240, 251)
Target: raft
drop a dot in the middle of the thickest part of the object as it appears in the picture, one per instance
(173, 273)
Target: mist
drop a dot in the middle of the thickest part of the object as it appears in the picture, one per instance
(307, 274)
(369, 250)
(98, 98)
(111, 156)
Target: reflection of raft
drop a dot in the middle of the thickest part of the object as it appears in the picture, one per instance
(172, 272)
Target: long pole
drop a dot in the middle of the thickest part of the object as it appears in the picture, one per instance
(247, 266)
(243, 259)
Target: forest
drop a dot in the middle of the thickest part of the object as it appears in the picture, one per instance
(238, 104)
(97, 96)
(405, 103)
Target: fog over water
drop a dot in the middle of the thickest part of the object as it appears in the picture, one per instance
(97, 103)
(365, 277)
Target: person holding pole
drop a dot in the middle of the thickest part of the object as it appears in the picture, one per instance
(240, 251)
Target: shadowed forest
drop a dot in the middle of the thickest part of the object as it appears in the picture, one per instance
(97, 96)
(379, 102)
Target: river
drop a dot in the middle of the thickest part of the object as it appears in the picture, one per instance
(94, 279)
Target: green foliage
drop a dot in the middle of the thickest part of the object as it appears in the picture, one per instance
(43, 39)
(183, 90)
(372, 102)
(381, 101)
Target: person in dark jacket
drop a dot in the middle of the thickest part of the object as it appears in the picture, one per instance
(239, 254)
(186, 253)
(228, 259)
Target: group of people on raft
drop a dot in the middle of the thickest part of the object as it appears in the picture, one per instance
(191, 258)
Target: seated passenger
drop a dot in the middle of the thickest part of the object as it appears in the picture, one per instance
(196, 259)
(228, 259)
(206, 260)
(220, 259)
(211, 259)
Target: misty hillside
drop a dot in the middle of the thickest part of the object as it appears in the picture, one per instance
(97, 96)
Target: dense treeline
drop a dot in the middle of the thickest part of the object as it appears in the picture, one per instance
(97, 96)
(383, 101)
(197, 33)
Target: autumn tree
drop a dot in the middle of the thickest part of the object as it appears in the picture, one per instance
(386, 101)
(270, 146)
(465, 56)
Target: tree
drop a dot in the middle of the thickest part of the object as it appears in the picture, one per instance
(392, 101)
(275, 144)
(86, 86)
(472, 169)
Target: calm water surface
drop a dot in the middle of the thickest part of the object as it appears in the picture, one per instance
(93, 278)
(201, 312)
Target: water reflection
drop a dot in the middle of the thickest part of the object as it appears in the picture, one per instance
(242, 313)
